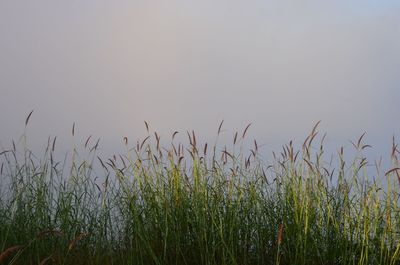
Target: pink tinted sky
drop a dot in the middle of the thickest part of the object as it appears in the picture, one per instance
(181, 65)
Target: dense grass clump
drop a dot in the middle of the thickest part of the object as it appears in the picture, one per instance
(197, 204)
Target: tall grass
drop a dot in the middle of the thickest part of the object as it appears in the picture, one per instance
(197, 204)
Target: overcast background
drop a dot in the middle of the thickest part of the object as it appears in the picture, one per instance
(182, 65)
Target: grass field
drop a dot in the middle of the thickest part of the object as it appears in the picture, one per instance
(197, 204)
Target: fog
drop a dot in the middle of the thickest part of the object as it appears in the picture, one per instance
(182, 65)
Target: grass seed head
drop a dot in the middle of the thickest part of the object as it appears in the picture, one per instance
(8, 252)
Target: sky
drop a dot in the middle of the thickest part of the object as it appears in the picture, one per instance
(182, 65)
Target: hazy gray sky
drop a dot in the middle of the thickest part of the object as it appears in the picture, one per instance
(282, 65)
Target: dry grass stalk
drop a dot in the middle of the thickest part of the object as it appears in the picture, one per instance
(47, 232)
(8, 252)
(73, 242)
(44, 261)
(280, 234)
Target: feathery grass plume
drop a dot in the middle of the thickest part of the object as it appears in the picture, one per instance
(45, 260)
(220, 127)
(73, 129)
(27, 118)
(8, 252)
(396, 169)
(280, 234)
(173, 135)
(245, 130)
(48, 232)
(75, 241)
(235, 138)
(87, 141)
